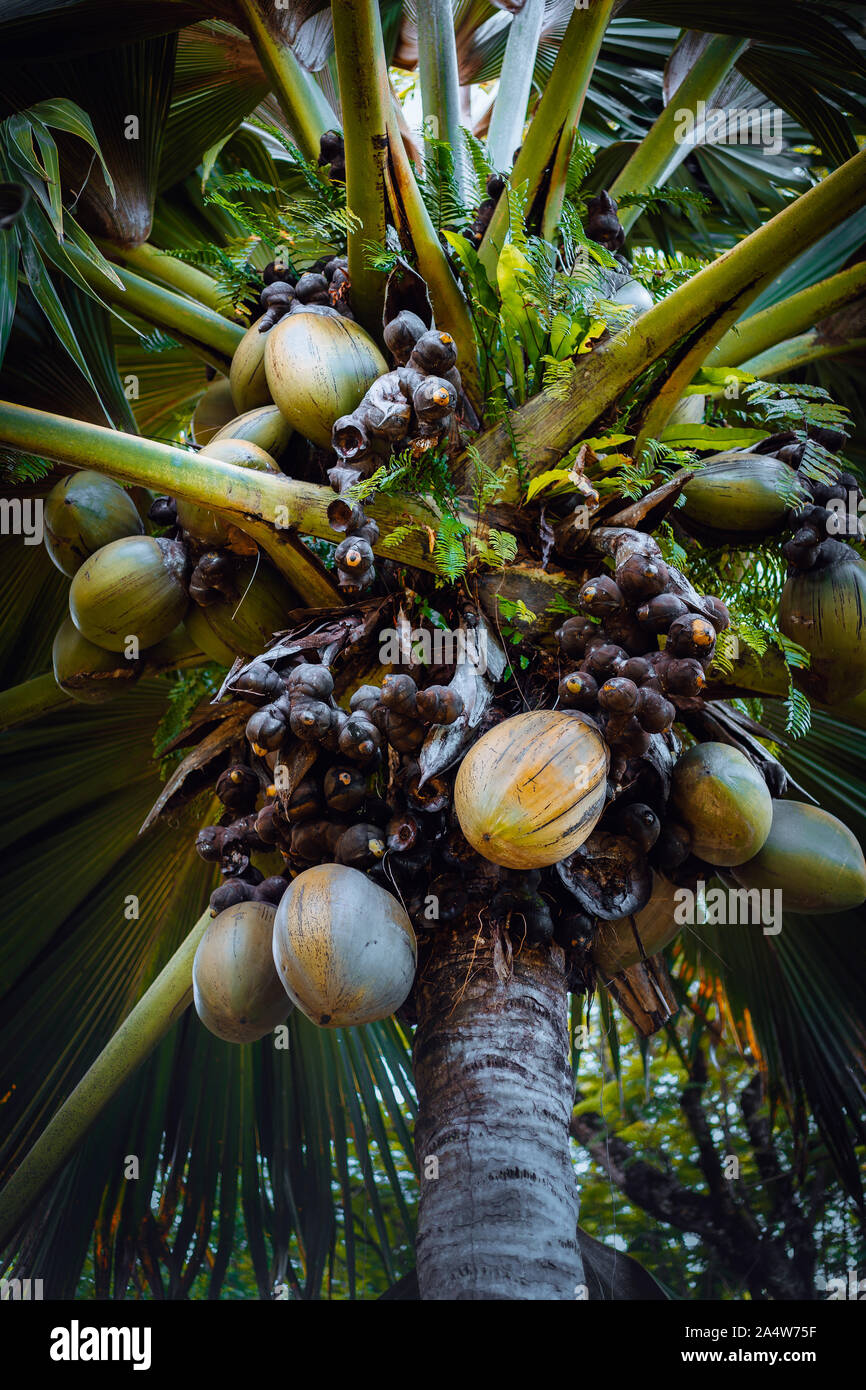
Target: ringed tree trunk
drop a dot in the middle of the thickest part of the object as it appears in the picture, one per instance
(498, 1209)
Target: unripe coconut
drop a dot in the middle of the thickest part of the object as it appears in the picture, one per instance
(738, 495)
(344, 948)
(615, 948)
(131, 588)
(86, 672)
(205, 639)
(84, 512)
(214, 409)
(237, 992)
(318, 368)
(202, 523)
(529, 792)
(723, 801)
(246, 626)
(264, 426)
(249, 385)
(825, 611)
(812, 857)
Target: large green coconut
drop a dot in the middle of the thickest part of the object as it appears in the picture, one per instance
(132, 588)
(249, 385)
(825, 611)
(318, 368)
(86, 672)
(236, 989)
(723, 801)
(738, 496)
(84, 512)
(812, 857)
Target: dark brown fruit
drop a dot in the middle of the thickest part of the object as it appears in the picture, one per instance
(234, 890)
(683, 677)
(720, 617)
(267, 728)
(439, 704)
(270, 890)
(636, 669)
(305, 802)
(310, 720)
(673, 846)
(653, 712)
(579, 690)
(345, 788)
(398, 694)
(209, 842)
(361, 846)
(618, 695)
(641, 578)
(601, 597)
(691, 635)
(574, 635)
(238, 787)
(604, 660)
(359, 739)
(258, 682)
(660, 612)
(641, 824)
(310, 681)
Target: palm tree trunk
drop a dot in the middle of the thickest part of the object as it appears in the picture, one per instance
(498, 1210)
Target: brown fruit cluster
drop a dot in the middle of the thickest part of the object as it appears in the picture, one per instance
(324, 285)
(415, 404)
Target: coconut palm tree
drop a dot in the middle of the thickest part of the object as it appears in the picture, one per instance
(143, 197)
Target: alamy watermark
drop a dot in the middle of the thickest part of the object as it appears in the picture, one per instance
(729, 907)
(719, 125)
(22, 516)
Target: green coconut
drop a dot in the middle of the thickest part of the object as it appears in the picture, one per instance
(825, 611)
(264, 426)
(207, 526)
(84, 512)
(246, 625)
(132, 588)
(236, 990)
(812, 857)
(214, 409)
(249, 384)
(86, 672)
(723, 801)
(318, 368)
(738, 495)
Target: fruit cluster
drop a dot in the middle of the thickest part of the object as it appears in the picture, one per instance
(325, 285)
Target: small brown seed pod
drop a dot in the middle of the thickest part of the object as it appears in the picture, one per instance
(238, 787)
(636, 669)
(268, 826)
(361, 846)
(312, 288)
(654, 712)
(434, 353)
(720, 616)
(310, 720)
(434, 403)
(641, 824)
(258, 682)
(624, 733)
(267, 728)
(579, 690)
(305, 802)
(399, 693)
(344, 788)
(366, 698)
(353, 553)
(574, 635)
(618, 695)
(209, 842)
(691, 635)
(404, 833)
(673, 846)
(683, 677)
(603, 661)
(600, 597)
(660, 612)
(439, 704)
(310, 681)
(404, 733)
(229, 894)
(641, 577)
(359, 739)
(401, 335)
(270, 890)
(277, 299)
